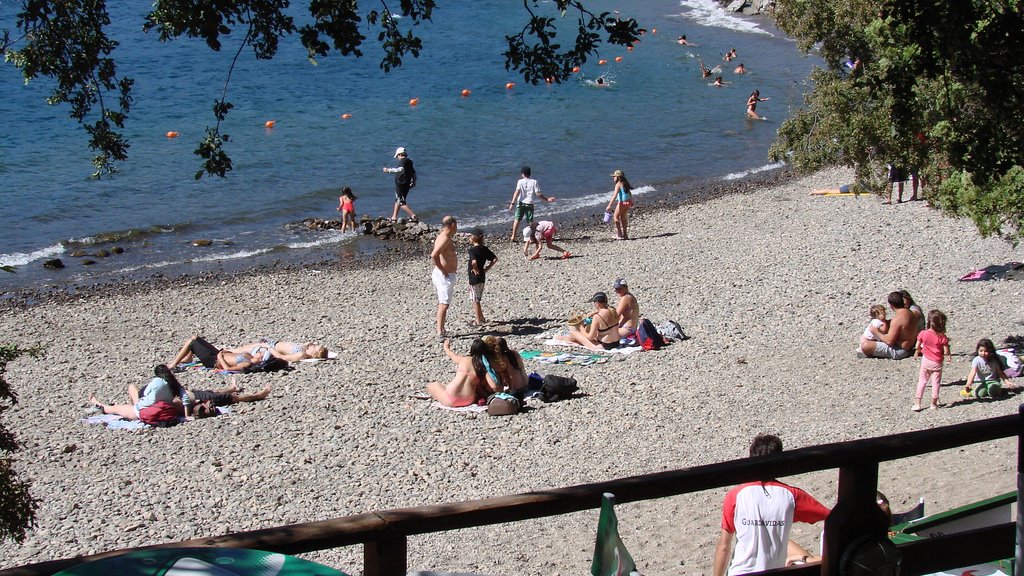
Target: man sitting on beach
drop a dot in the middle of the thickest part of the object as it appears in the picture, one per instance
(898, 343)
(445, 264)
(761, 514)
(628, 309)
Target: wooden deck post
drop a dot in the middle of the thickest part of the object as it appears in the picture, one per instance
(385, 557)
(855, 514)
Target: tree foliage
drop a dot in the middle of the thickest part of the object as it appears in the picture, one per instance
(66, 40)
(17, 507)
(935, 85)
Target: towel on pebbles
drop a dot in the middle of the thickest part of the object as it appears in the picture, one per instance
(472, 408)
(115, 422)
(620, 350)
(563, 358)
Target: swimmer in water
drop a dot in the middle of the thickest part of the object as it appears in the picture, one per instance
(682, 41)
(600, 80)
(740, 69)
(719, 82)
(755, 97)
(704, 70)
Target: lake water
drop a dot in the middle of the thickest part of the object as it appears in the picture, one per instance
(658, 120)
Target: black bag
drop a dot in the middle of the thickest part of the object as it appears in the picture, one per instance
(557, 388)
(272, 364)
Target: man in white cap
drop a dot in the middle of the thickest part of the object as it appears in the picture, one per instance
(405, 180)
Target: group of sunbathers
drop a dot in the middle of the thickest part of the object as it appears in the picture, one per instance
(491, 367)
(188, 403)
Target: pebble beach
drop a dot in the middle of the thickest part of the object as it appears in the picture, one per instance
(772, 286)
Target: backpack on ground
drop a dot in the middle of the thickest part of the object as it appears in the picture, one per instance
(672, 329)
(647, 336)
(557, 388)
(160, 414)
(502, 404)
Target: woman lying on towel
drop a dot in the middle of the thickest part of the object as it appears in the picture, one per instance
(287, 351)
(508, 364)
(163, 388)
(474, 377)
(213, 357)
(603, 331)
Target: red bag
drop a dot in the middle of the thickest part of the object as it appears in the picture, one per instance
(159, 414)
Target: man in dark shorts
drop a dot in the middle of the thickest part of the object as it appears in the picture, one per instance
(205, 402)
(405, 180)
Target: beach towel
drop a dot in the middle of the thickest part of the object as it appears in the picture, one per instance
(619, 350)
(115, 422)
(563, 358)
(471, 409)
(1008, 271)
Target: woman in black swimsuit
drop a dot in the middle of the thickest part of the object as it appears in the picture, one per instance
(603, 331)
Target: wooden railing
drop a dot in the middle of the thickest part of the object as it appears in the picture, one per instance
(384, 534)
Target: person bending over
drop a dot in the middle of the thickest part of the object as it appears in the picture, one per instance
(164, 387)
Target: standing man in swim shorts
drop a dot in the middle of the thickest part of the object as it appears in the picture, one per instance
(405, 180)
(526, 189)
(443, 276)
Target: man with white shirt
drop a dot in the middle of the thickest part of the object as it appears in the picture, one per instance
(526, 189)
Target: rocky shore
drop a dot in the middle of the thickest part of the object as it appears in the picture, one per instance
(772, 285)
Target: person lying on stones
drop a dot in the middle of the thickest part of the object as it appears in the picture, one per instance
(213, 357)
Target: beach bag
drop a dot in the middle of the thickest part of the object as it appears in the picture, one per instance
(647, 336)
(160, 414)
(672, 329)
(555, 388)
(502, 404)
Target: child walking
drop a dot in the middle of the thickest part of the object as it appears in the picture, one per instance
(986, 373)
(933, 345)
(347, 207)
(481, 259)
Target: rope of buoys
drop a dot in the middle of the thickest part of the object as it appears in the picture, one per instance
(346, 116)
(172, 134)
(270, 123)
(465, 92)
(414, 101)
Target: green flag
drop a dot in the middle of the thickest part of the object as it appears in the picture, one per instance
(610, 555)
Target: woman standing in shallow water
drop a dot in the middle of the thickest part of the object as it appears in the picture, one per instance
(622, 199)
(755, 97)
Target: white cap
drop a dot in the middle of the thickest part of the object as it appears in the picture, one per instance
(398, 151)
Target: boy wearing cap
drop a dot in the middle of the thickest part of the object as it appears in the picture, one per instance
(405, 180)
(526, 189)
(481, 259)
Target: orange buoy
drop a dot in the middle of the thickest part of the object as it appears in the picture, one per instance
(602, 62)
(618, 58)
(270, 123)
(654, 30)
(510, 85)
(414, 101)
(465, 92)
(629, 48)
(550, 80)
(172, 134)
(575, 69)
(346, 116)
